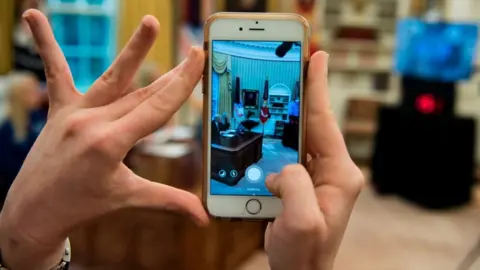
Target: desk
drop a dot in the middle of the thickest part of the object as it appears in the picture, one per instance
(290, 135)
(235, 153)
(148, 240)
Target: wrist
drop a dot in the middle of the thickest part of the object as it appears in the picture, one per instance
(19, 258)
(19, 253)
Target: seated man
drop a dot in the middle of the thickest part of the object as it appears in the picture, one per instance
(224, 124)
(216, 126)
(247, 125)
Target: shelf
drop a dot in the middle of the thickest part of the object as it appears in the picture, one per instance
(359, 69)
(357, 45)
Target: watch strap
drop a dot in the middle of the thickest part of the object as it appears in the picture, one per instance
(63, 265)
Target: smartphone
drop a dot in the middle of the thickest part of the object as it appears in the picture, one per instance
(254, 111)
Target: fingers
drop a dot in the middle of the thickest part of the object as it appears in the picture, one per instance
(154, 112)
(126, 104)
(116, 80)
(157, 196)
(324, 137)
(295, 188)
(61, 89)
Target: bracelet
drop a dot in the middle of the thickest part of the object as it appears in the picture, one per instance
(63, 265)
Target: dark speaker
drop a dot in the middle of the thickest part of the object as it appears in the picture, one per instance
(442, 92)
(427, 159)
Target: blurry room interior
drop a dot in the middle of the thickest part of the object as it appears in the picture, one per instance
(410, 126)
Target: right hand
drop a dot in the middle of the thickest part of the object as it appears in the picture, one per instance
(318, 201)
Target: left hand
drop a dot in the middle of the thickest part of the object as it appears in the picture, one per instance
(74, 173)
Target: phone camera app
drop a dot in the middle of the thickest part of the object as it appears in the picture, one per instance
(255, 106)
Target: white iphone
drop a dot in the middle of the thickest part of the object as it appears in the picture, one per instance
(254, 112)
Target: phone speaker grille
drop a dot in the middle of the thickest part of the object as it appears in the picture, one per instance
(256, 29)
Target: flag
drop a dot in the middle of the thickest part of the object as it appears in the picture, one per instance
(236, 97)
(296, 91)
(265, 90)
(238, 107)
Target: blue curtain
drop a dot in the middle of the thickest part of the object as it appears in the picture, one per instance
(253, 73)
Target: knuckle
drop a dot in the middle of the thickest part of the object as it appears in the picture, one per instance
(357, 181)
(53, 72)
(109, 77)
(308, 227)
(100, 142)
(76, 123)
(143, 93)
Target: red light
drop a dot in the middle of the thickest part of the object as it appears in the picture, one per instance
(426, 104)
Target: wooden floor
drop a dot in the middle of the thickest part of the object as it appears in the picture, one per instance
(386, 233)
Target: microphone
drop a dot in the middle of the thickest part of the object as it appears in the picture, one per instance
(283, 49)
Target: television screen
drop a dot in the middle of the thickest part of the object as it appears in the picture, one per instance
(438, 51)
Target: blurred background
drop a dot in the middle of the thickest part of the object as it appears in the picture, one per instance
(404, 87)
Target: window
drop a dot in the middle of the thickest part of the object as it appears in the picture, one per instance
(215, 92)
(86, 32)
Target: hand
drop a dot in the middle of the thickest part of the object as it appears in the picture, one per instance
(74, 172)
(318, 202)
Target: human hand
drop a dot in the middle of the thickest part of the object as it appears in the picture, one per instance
(317, 201)
(74, 173)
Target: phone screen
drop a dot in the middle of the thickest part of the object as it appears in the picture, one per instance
(255, 113)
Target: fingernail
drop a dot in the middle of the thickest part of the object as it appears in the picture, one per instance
(192, 55)
(269, 178)
(26, 16)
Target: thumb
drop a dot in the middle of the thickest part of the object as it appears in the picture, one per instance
(152, 195)
(324, 137)
(295, 188)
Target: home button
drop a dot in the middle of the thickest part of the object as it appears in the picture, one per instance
(253, 206)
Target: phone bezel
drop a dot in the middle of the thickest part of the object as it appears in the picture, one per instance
(226, 26)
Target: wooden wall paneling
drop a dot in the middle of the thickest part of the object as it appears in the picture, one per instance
(130, 15)
(7, 12)
(274, 6)
(221, 5)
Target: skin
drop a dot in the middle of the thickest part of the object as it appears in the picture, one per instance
(74, 172)
(318, 200)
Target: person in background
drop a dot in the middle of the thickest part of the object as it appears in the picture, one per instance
(25, 54)
(293, 111)
(20, 128)
(216, 126)
(225, 125)
(247, 124)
